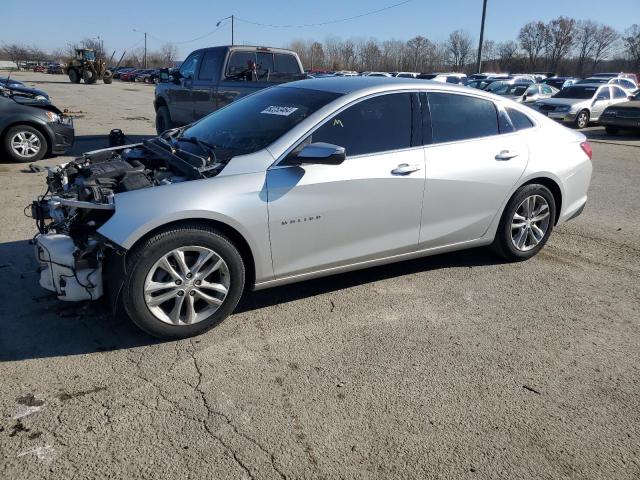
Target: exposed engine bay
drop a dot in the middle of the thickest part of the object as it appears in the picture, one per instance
(80, 199)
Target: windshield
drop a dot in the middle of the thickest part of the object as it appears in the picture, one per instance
(89, 56)
(576, 92)
(252, 123)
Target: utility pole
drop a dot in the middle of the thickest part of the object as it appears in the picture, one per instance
(484, 13)
(145, 49)
(222, 20)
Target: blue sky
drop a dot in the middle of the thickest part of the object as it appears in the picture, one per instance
(182, 21)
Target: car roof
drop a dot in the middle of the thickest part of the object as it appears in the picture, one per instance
(347, 85)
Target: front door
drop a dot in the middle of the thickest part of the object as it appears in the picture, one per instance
(324, 216)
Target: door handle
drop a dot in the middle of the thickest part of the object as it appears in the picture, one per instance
(506, 155)
(405, 169)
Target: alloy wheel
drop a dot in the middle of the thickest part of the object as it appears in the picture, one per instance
(186, 285)
(25, 144)
(530, 223)
(583, 119)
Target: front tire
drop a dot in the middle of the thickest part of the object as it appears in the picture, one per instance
(74, 76)
(23, 143)
(163, 120)
(526, 223)
(582, 119)
(183, 281)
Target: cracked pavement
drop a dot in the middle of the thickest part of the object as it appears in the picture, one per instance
(454, 366)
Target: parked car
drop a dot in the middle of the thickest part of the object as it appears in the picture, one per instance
(482, 76)
(623, 116)
(560, 82)
(212, 78)
(406, 75)
(495, 85)
(130, 75)
(30, 128)
(54, 68)
(120, 70)
(581, 103)
(346, 73)
(526, 93)
(139, 77)
(39, 68)
(631, 76)
(376, 74)
(625, 83)
(455, 78)
(151, 77)
(258, 194)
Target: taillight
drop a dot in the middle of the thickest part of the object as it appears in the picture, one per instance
(586, 148)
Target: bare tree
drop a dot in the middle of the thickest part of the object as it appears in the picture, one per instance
(631, 41)
(393, 56)
(532, 38)
(507, 53)
(559, 40)
(586, 31)
(605, 42)
(169, 54)
(460, 48)
(333, 48)
(418, 50)
(15, 52)
(316, 53)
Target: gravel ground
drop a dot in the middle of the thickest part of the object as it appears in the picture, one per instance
(454, 366)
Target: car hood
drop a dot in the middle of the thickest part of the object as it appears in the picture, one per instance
(630, 105)
(27, 92)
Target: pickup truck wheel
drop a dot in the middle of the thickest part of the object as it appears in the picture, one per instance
(25, 144)
(163, 120)
(183, 281)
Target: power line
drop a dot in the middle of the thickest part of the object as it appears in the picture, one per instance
(220, 25)
(328, 22)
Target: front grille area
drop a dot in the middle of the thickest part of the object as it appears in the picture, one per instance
(547, 108)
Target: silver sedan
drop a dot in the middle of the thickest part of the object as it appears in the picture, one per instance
(303, 180)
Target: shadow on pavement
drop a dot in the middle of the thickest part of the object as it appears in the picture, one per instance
(35, 324)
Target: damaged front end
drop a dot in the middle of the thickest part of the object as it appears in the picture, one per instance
(80, 198)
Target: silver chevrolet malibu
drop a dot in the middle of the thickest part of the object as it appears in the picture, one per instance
(298, 181)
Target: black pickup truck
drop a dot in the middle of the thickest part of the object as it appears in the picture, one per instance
(211, 78)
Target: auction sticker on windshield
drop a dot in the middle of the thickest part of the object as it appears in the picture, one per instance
(276, 110)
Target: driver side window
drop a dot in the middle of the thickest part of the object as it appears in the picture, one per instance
(190, 65)
(375, 125)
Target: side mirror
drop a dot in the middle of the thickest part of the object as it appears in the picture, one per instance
(163, 76)
(318, 153)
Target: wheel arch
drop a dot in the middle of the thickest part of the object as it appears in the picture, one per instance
(553, 187)
(31, 123)
(234, 236)
(160, 101)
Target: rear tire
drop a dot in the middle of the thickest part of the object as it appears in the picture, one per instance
(582, 119)
(74, 76)
(523, 231)
(163, 120)
(611, 130)
(23, 143)
(156, 310)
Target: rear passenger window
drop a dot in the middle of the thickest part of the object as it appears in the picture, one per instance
(618, 93)
(241, 65)
(286, 64)
(210, 68)
(519, 120)
(375, 125)
(461, 117)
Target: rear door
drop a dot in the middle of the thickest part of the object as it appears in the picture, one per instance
(473, 160)
(243, 74)
(203, 100)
